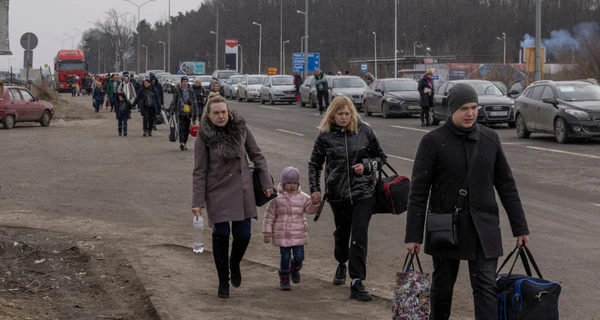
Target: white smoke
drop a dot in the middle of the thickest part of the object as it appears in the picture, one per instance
(564, 39)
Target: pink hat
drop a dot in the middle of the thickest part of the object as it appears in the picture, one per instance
(290, 174)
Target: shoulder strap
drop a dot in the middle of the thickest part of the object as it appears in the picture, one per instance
(462, 193)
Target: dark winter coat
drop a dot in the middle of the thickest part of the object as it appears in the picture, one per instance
(297, 83)
(98, 94)
(123, 108)
(200, 93)
(178, 103)
(159, 89)
(142, 98)
(320, 82)
(440, 167)
(339, 150)
(110, 89)
(426, 98)
(222, 181)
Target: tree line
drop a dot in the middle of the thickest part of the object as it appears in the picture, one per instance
(340, 30)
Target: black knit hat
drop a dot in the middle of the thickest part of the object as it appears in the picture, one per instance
(460, 95)
(184, 78)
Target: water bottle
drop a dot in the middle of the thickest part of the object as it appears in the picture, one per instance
(198, 244)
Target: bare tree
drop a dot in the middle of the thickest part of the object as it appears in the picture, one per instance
(117, 29)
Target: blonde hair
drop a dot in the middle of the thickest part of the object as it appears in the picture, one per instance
(429, 72)
(336, 105)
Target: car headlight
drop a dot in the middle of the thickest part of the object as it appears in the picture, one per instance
(235, 88)
(394, 100)
(581, 115)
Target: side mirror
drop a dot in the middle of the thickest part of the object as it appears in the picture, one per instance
(513, 92)
(378, 90)
(549, 100)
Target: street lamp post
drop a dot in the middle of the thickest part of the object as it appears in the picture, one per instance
(145, 46)
(164, 54)
(70, 37)
(415, 48)
(305, 13)
(62, 42)
(283, 56)
(169, 40)
(281, 35)
(302, 44)
(504, 39)
(375, 49)
(395, 38)
(216, 50)
(138, 25)
(259, 45)
(241, 59)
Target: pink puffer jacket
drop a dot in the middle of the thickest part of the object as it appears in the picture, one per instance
(284, 218)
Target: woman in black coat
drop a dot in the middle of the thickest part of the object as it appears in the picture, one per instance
(351, 152)
(426, 97)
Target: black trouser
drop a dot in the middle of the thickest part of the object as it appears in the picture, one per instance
(425, 114)
(149, 118)
(351, 234)
(320, 96)
(483, 283)
(184, 128)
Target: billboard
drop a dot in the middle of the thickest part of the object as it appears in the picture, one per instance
(4, 38)
(192, 67)
(231, 54)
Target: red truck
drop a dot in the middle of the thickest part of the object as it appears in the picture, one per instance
(68, 64)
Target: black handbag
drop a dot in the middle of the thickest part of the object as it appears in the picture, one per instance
(391, 192)
(441, 227)
(259, 195)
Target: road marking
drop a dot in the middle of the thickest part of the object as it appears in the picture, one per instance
(409, 128)
(596, 204)
(513, 143)
(401, 158)
(290, 132)
(564, 152)
(266, 107)
(318, 115)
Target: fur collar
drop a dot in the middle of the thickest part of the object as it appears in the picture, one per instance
(228, 141)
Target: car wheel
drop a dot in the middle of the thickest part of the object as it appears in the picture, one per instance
(561, 131)
(522, 131)
(385, 111)
(8, 122)
(432, 118)
(261, 99)
(45, 120)
(271, 102)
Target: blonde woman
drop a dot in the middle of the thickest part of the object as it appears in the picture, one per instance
(352, 154)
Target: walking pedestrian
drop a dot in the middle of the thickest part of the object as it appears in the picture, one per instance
(223, 186)
(161, 95)
(285, 225)
(297, 83)
(200, 93)
(426, 97)
(352, 154)
(369, 78)
(184, 107)
(112, 90)
(149, 104)
(216, 92)
(123, 113)
(73, 86)
(439, 182)
(127, 88)
(98, 96)
(320, 83)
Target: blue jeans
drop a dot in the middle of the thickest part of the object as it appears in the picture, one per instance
(286, 256)
(241, 229)
(122, 124)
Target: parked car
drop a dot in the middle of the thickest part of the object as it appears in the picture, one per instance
(278, 89)
(308, 93)
(19, 105)
(171, 82)
(221, 76)
(494, 107)
(392, 97)
(352, 87)
(566, 109)
(230, 87)
(515, 89)
(249, 87)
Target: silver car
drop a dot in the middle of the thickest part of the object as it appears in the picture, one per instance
(230, 87)
(278, 89)
(308, 93)
(249, 87)
(352, 87)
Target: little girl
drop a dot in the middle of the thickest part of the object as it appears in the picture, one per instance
(123, 111)
(286, 225)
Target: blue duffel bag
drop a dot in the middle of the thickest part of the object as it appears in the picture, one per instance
(525, 297)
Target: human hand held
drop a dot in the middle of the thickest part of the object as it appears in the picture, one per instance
(315, 197)
(197, 212)
(522, 241)
(267, 238)
(413, 247)
(268, 192)
(359, 168)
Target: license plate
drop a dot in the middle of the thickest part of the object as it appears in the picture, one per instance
(414, 107)
(498, 113)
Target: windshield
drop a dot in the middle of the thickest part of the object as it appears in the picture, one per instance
(349, 83)
(256, 80)
(486, 89)
(69, 66)
(236, 80)
(283, 81)
(579, 92)
(225, 74)
(400, 85)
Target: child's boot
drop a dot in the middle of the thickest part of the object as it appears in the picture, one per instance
(296, 266)
(284, 280)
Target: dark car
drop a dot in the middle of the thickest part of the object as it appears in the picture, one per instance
(221, 76)
(392, 97)
(17, 104)
(494, 106)
(566, 109)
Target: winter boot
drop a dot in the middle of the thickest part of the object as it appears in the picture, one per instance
(238, 249)
(358, 291)
(340, 275)
(296, 271)
(145, 133)
(422, 117)
(221, 254)
(284, 280)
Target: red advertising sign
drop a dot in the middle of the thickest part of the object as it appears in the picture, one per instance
(231, 42)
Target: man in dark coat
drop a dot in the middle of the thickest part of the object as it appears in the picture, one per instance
(426, 97)
(161, 94)
(440, 169)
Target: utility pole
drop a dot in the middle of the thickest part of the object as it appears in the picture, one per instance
(375, 49)
(306, 35)
(281, 36)
(217, 36)
(169, 39)
(395, 39)
(538, 40)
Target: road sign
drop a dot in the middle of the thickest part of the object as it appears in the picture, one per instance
(314, 61)
(363, 68)
(272, 71)
(436, 77)
(29, 41)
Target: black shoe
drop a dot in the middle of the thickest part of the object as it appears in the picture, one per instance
(223, 292)
(154, 128)
(125, 134)
(284, 280)
(149, 133)
(145, 133)
(340, 275)
(181, 146)
(120, 134)
(358, 292)
(185, 147)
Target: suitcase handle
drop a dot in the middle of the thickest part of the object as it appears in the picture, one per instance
(525, 255)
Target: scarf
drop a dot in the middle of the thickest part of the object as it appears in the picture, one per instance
(471, 133)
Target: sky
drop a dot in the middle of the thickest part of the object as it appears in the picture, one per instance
(49, 19)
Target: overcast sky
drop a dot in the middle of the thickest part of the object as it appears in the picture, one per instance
(49, 19)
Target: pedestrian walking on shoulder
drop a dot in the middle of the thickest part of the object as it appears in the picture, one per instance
(112, 90)
(123, 113)
(352, 154)
(297, 83)
(216, 92)
(128, 88)
(223, 186)
(439, 171)
(161, 96)
(320, 82)
(184, 107)
(200, 93)
(98, 96)
(426, 97)
(149, 104)
(285, 225)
